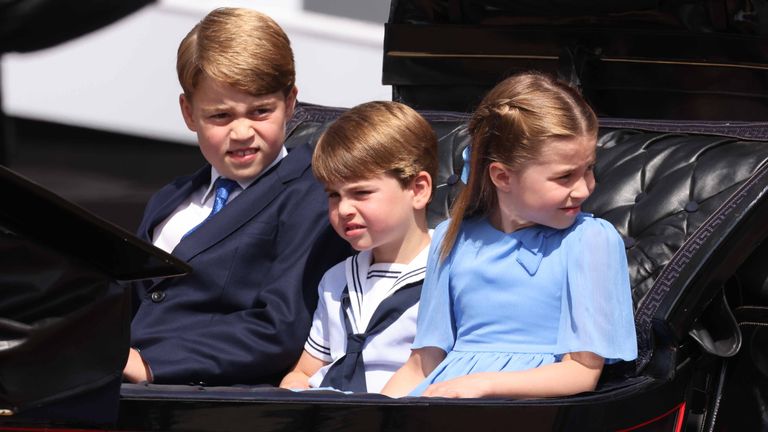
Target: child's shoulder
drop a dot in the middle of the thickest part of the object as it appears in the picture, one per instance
(335, 278)
(338, 269)
(466, 224)
(175, 186)
(439, 232)
(587, 227)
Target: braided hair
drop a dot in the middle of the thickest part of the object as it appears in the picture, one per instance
(512, 125)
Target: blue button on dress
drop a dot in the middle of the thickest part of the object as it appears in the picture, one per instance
(506, 302)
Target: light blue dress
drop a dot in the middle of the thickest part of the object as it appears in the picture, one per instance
(506, 302)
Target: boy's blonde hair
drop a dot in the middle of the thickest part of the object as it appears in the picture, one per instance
(240, 47)
(376, 138)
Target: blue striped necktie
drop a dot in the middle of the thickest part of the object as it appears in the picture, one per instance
(223, 188)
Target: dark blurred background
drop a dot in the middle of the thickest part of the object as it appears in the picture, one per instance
(109, 174)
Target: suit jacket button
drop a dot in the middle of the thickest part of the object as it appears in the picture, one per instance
(157, 296)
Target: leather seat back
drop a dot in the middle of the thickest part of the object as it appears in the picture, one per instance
(664, 189)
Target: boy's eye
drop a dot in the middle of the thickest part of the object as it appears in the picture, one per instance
(218, 116)
(262, 111)
(333, 195)
(363, 193)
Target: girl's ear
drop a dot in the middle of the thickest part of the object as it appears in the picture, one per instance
(421, 185)
(500, 176)
(186, 112)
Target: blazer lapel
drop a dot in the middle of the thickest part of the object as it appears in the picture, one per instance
(183, 190)
(250, 203)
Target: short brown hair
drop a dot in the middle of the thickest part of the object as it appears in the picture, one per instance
(239, 47)
(376, 138)
(512, 125)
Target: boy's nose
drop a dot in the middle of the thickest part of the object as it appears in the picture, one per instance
(346, 208)
(241, 130)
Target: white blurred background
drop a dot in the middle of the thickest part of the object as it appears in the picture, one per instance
(122, 78)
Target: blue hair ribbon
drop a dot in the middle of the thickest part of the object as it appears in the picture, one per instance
(467, 156)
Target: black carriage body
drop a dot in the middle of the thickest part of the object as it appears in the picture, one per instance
(682, 172)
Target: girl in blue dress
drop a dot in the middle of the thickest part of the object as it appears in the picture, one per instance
(525, 295)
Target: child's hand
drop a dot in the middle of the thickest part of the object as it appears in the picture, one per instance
(295, 381)
(298, 378)
(136, 370)
(469, 386)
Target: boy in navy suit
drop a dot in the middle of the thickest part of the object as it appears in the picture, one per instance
(246, 222)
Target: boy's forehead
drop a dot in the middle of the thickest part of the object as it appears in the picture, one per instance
(210, 90)
(207, 83)
(358, 181)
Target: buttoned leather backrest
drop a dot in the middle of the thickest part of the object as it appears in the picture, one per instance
(674, 196)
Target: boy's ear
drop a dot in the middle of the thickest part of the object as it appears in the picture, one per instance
(500, 176)
(186, 112)
(421, 185)
(290, 102)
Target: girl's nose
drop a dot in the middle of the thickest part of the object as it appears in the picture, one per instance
(583, 188)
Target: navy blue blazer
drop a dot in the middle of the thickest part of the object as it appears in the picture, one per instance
(243, 314)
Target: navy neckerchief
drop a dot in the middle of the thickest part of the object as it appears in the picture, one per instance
(348, 372)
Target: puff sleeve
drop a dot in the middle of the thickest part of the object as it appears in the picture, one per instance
(435, 326)
(596, 310)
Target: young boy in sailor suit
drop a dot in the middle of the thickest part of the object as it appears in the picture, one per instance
(377, 161)
(246, 222)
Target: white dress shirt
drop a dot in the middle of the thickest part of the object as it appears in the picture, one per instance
(192, 211)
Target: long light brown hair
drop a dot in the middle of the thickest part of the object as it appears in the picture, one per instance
(511, 125)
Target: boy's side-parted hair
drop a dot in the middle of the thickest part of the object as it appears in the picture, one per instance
(376, 138)
(239, 47)
(512, 125)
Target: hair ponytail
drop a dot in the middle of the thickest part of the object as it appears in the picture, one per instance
(511, 125)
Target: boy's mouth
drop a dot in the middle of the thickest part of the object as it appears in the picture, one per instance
(243, 152)
(353, 228)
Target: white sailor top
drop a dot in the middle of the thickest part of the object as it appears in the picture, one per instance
(367, 285)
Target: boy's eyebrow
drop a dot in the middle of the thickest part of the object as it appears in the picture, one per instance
(350, 185)
(217, 107)
(263, 103)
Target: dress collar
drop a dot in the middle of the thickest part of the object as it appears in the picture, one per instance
(532, 243)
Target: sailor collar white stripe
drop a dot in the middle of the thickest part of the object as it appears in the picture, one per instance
(357, 268)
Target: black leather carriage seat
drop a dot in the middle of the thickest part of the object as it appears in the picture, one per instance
(671, 194)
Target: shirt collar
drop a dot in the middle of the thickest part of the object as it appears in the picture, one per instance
(243, 184)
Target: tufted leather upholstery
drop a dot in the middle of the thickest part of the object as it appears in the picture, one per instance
(672, 195)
